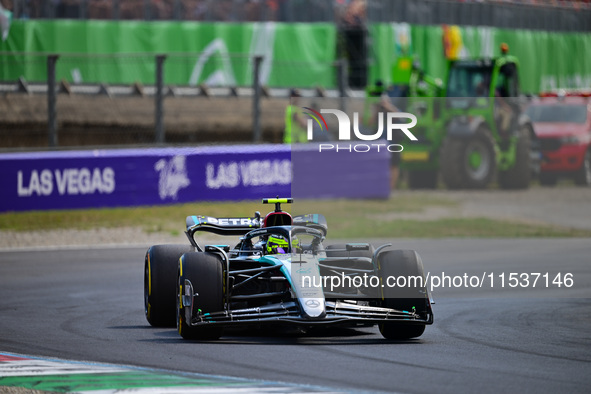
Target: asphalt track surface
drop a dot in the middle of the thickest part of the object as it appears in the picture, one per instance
(86, 304)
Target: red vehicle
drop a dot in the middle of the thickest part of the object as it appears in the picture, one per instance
(562, 123)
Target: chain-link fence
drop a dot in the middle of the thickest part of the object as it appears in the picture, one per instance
(95, 100)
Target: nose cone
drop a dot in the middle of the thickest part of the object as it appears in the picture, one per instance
(306, 283)
(313, 308)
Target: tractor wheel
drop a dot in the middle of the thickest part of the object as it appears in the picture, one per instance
(468, 162)
(518, 176)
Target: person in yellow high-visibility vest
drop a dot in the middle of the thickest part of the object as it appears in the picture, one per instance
(378, 101)
(295, 123)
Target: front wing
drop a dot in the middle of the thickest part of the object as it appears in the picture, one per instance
(337, 312)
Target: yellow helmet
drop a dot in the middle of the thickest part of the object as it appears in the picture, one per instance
(276, 244)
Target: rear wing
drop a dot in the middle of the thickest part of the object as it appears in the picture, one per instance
(222, 226)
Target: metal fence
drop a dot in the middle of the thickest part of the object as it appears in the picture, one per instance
(540, 14)
(61, 112)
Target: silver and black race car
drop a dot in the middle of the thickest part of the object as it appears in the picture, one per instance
(281, 273)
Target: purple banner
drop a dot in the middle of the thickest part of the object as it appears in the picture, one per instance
(332, 170)
(134, 177)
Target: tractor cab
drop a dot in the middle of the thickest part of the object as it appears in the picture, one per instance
(486, 132)
(469, 78)
(488, 88)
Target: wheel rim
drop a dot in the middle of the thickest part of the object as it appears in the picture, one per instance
(475, 160)
(478, 160)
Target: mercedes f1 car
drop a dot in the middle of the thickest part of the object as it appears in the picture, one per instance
(281, 273)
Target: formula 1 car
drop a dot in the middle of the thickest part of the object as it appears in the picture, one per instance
(281, 273)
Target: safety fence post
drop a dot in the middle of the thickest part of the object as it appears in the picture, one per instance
(342, 82)
(256, 101)
(51, 101)
(159, 98)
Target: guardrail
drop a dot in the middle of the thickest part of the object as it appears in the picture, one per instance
(158, 92)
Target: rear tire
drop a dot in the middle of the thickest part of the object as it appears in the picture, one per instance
(519, 176)
(406, 263)
(160, 282)
(204, 271)
(468, 162)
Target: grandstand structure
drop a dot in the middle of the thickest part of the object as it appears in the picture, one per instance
(550, 15)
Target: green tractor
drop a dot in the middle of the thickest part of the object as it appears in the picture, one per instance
(413, 91)
(476, 131)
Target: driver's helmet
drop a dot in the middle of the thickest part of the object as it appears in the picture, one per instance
(277, 244)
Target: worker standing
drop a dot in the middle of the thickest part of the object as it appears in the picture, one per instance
(295, 123)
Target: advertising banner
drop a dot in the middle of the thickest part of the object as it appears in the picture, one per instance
(548, 60)
(216, 54)
(90, 179)
(220, 54)
(135, 177)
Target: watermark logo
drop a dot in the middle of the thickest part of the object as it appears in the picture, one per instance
(388, 123)
(314, 115)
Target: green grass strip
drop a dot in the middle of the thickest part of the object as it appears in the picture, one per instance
(346, 218)
(105, 381)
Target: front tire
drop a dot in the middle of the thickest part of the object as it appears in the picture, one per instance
(408, 264)
(204, 272)
(159, 283)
